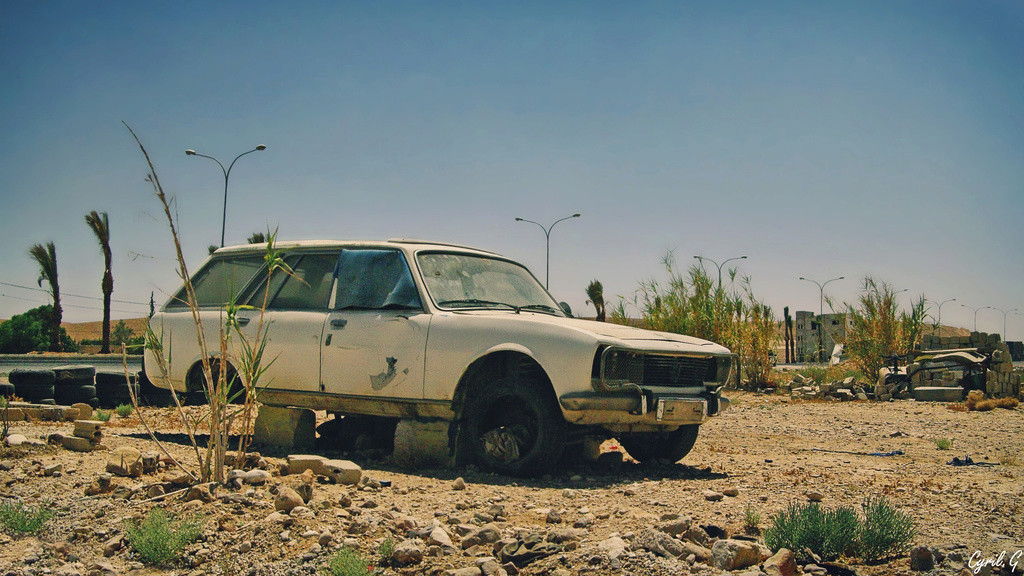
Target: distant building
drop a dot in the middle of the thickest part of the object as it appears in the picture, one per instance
(834, 330)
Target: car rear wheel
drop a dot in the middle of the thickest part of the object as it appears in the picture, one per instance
(513, 427)
(672, 446)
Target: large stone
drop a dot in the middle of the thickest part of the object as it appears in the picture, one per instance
(342, 471)
(737, 554)
(287, 499)
(422, 444)
(299, 463)
(408, 552)
(612, 547)
(292, 428)
(125, 461)
(782, 563)
(89, 429)
(659, 542)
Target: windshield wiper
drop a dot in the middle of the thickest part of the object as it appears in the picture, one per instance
(542, 308)
(477, 302)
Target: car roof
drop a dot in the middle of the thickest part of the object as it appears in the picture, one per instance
(409, 244)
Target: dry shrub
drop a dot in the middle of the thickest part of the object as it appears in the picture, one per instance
(976, 401)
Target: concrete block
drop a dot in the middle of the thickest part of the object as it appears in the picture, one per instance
(292, 428)
(84, 411)
(422, 444)
(342, 471)
(15, 414)
(299, 463)
(77, 444)
(89, 429)
(939, 394)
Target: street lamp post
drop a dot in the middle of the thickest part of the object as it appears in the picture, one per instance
(975, 313)
(939, 319)
(703, 258)
(227, 173)
(821, 311)
(547, 236)
(1005, 312)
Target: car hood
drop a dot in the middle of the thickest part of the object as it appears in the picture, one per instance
(608, 333)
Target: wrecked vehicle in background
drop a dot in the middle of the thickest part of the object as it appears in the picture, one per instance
(947, 368)
(383, 331)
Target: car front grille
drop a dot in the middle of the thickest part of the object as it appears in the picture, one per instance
(660, 370)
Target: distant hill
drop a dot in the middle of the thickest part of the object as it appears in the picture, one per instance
(94, 330)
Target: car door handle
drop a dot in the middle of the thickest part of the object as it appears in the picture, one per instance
(242, 320)
(338, 323)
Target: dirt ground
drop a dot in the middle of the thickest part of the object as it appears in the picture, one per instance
(773, 451)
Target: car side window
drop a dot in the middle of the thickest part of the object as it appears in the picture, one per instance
(375, 280)
(220, 280)
(308, 287)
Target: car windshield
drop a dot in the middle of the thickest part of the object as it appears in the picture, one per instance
(463, 281)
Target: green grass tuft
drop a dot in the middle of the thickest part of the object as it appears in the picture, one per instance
(124, 410)
(884, 532)
(881, 532)
(943, 443)
(17, 518)
(159, 540)
(102, 416)
(349, 562)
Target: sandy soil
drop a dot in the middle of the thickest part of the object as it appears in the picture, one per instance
(772, 450)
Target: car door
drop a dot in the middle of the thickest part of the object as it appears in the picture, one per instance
(375, 336)
(296, 301)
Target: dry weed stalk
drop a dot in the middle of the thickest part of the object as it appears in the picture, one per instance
(218, 388)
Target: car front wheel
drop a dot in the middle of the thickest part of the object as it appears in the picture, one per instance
(513, 427)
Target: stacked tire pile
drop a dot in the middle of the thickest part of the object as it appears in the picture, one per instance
(75, 383)
(33, 384)
(112, 388)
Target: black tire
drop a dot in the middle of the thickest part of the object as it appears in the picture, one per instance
(48, 402)
(33, 391)
(513, 427)
(67, 395)
(672, 446)
(112, 389)
(6, 390)
(197, 389)
(37, 376)
(82, 373)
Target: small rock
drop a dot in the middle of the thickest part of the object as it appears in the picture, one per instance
(408, 552)
(731, 491)
(553, 517)
(16, 440)
(738, 554)
(287, 499)
(200, 492)
(921, 559)
(783, 563)
(256, 477)
(713, 496)
(814, 495)
(459, 484)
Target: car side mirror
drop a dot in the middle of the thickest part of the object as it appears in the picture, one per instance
(565, 308)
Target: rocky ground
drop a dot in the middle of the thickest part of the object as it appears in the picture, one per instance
(611, 517)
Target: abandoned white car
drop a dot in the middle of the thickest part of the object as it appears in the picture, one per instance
(383, 331)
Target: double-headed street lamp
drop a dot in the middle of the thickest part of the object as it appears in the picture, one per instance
(703, 258)
(547, 235)
(1005, 312)
(227, 173)
(821, 311)
(975, 313)
(939, 319)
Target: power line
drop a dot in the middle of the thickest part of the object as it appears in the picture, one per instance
(67, 305)
(72, 295)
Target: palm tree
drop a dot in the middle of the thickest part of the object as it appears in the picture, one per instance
(257, 238)
(101, 227)
(595, 293)
(46, 257)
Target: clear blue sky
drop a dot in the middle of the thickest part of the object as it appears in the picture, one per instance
(818, 138)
